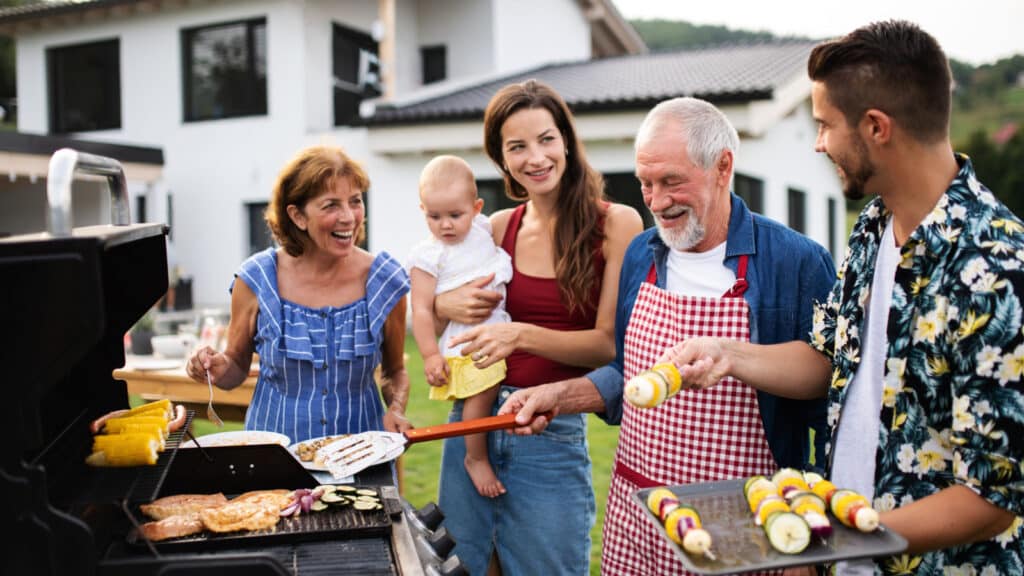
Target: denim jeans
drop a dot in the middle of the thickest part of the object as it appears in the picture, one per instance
(541, 525)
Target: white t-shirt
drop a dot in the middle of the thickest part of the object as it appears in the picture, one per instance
(455, 264)
(699, 273)
(856, 440)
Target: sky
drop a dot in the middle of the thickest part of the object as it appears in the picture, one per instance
(978, 32)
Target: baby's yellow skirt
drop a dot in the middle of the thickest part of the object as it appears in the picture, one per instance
(465, 379)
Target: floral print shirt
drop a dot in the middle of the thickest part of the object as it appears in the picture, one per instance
(953, 403)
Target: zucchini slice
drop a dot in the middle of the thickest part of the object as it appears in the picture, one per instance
(787, 532)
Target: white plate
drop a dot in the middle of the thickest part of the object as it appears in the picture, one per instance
(240, 438)
(148, 363)
(294, 449)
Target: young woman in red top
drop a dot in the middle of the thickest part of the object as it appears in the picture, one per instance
(567, 245)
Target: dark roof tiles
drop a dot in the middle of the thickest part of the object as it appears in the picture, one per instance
(718, 73)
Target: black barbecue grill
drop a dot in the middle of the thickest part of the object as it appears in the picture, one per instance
(68, 296)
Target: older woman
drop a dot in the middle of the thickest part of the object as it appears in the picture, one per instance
(567, 245)
(321, 312)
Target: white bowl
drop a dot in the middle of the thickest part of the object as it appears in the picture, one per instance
(173, 345)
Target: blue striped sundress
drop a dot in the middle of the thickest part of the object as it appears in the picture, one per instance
(316, 365)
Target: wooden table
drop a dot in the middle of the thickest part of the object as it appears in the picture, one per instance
(176, 386)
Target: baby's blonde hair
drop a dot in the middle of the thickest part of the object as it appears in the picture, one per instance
(444, 170)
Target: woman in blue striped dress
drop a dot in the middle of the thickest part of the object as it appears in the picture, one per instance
(321, 312)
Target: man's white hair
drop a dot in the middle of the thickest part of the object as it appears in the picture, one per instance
(705, 129)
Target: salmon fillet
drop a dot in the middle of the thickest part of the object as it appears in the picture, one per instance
(181, 504)
(172, 527)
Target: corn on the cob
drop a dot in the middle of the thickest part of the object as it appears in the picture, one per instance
(134, 423)
(150, 430)
(101, 441)
(163, 407)
(124, 450)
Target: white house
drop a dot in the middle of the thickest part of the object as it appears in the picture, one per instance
(229, 90)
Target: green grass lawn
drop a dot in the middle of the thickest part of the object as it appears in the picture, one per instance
(422, 463)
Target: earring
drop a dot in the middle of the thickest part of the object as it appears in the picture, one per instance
(567, 152)
(504, 167)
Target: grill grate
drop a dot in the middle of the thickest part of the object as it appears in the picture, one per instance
(360, 557)
(151, 478)
(328, 524)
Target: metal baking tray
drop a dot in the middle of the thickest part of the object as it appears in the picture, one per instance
(741, 546)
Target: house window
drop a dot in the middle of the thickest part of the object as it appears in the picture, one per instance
(85, 87)
(259, 233)
(832, 226)
(170, 216)
(797, 209)
(623, 187)
(225, 70)
(140, 208)
(356, 73)
(492, 192)
(435, 63)
(751, 190)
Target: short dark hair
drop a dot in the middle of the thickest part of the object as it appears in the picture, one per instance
(311, 172)
(892, 66)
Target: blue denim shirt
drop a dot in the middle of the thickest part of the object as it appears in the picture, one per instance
(787, 273)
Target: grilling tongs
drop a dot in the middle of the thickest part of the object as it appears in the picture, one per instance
(353, 454)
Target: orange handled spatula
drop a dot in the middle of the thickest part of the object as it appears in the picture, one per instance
(355, 453)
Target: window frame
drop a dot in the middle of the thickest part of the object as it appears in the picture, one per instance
(256, 227)
(751, 190)
(433, 50)
(362, 41)
(796, 209)
(57, 105)
(258, 107)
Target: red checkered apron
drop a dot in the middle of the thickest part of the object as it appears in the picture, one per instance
(694, 436)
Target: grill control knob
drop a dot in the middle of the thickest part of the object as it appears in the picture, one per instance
(430, 516)
(451, 567)
(440, 542)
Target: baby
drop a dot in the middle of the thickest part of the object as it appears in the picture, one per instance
(460, 249)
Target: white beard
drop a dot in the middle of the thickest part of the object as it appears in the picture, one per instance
(684, 238)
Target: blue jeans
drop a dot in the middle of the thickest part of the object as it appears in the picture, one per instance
(541, 525)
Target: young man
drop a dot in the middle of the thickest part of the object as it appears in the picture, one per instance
(921, 337)
(710, 267)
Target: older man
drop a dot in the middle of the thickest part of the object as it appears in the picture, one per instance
(711, 268)
(921, 338)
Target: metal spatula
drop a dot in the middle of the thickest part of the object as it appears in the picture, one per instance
(357, 452)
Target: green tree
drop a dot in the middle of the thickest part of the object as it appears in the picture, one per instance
(661, 34)
(1000, 168)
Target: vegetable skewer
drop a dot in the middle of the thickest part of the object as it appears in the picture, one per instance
(682, 522)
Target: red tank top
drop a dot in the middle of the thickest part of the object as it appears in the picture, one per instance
(537, 301)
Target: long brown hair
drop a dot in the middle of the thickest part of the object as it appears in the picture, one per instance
(580, 213)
